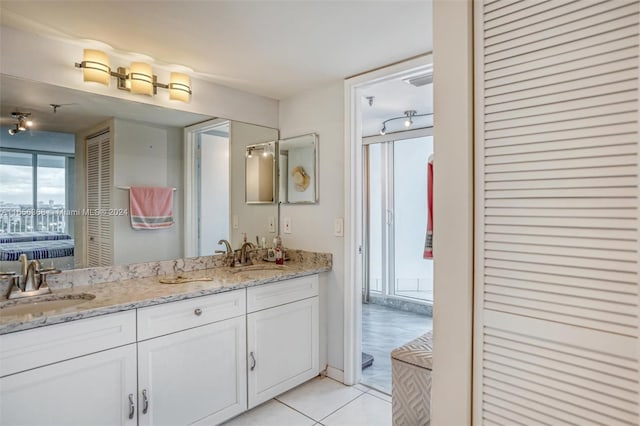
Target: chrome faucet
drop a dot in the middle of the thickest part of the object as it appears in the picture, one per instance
(243, 252)
(31, 271)
(31, 282)
(227, 246)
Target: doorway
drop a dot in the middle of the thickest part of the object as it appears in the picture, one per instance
(207, 197)
(398, 281)
(360, 132)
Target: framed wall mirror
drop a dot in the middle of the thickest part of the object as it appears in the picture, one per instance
(298, 169)
(260, 173)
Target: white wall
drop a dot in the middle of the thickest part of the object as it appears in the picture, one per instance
(453, 213)
(214, 192)
(146, 156)
(321, 111)
(52, 61)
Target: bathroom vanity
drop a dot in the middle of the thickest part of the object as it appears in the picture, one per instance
(147, 353)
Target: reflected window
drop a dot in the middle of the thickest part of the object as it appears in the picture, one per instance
(35, 190)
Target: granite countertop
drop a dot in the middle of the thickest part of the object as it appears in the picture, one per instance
(134, 293)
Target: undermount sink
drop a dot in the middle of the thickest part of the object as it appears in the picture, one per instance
(257, 267)
(41, 304)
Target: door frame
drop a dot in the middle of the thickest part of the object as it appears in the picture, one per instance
(191, 200)
(353, 88)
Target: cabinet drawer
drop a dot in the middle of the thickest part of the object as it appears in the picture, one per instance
(168, 318)
(269, 295)
(29, 349)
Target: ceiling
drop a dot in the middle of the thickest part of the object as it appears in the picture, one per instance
(276, 49)
(78, 110)
(272, 48)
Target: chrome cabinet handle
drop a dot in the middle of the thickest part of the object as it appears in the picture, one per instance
(132, 406)
(145, 402)
(253, 361)
(198, 311)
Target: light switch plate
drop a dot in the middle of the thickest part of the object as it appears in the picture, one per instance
(286, 223)
(338, 227)
(272, 224)
(235, 221)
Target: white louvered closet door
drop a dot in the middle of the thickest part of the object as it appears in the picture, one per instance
(99, 244)
(556, 284)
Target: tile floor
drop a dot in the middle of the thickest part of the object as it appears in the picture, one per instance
(321, 402)
(383, 330)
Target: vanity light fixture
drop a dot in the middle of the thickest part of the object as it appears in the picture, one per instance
(408, 117)
(139, 78)
(23, 122)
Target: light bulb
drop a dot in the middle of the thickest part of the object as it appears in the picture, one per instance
(383, 130)
(408, 122)
(96, 66)
(29, 123)
(12, 131)
(179, 87)
(141, 78)
(22, 125)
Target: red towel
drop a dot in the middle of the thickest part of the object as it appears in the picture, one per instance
(151, 207)
(428, 242)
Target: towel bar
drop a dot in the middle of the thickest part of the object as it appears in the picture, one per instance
(128, 187)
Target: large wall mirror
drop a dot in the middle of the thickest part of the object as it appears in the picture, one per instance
(298, 169)
(43, 170)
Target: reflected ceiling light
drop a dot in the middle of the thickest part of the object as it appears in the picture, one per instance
(139, 78)
(408, 117)
(23, 122)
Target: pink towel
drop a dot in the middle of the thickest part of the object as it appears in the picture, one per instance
(151, 207)
(428, 241)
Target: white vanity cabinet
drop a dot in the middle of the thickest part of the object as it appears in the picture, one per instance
(65, 375)
(282, 337)
(192, 367)
(198, 361)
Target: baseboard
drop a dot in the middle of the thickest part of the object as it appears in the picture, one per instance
(335, 374)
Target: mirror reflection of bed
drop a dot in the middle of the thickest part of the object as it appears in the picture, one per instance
(36, 171)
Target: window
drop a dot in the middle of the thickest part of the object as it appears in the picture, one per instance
(397, 221)
(35, 191)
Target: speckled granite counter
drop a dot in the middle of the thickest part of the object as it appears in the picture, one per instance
(137, 285)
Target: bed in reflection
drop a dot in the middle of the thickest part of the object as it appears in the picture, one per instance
(52, 249)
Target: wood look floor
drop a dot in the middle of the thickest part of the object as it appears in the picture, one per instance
(383, 330)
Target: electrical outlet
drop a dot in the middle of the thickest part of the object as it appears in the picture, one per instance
(272, 224)
(286, 222)
(235, 221)
(338, 227)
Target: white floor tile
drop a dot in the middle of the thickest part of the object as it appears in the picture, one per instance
(380, 395)
(362, 388)
(366, 410)
(271, 413)
(319, 397)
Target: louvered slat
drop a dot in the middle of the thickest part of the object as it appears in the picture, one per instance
(99, 184)
(557, 221)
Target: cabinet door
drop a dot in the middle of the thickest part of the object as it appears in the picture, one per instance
(282, 348)
(89, 390)
(193, 376)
